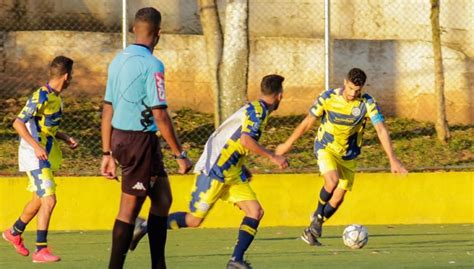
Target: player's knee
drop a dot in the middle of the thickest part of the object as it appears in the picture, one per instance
(255, 213)
(48, 203)
(261, 212)
(193, 222)
(330, 185)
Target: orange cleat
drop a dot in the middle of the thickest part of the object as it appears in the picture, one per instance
(44, 255)
(16, 241)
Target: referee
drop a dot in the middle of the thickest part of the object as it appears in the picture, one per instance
(134, 105)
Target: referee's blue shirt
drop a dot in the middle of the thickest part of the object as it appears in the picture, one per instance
(135, 86)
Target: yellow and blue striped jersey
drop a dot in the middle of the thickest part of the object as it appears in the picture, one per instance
(43, 112)
(343, 122)
(223, 154)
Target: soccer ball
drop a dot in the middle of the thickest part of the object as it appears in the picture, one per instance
(355, 236)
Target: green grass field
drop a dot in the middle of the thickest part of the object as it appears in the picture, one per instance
(397, 246)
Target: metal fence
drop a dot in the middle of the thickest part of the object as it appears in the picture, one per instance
(390, 40)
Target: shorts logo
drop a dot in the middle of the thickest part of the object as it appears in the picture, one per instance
(160, 86)
(139, 187)
(47, 184)
(203, 206)
(356, 111)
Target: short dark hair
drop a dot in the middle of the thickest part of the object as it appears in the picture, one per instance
(356, 76)
(149, 15)
(60, 66)
(271, 84)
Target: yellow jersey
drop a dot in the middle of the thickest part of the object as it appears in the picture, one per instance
(343, 122)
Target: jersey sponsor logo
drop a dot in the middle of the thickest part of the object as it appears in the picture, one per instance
(160, 86)
(139, 187)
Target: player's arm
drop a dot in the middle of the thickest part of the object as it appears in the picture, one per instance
(252, 145)
(301, 129)
(156, 99)
(21, 129)
(167, 130)
(68, 139)
(108, 166)
(395, 165)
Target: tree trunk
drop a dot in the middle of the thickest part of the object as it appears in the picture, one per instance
(233, 69)
(441, 126)
(211, 27)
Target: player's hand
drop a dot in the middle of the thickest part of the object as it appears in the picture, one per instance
(108, 167)
(185, 165)
(282, 149)
(280, 161)
(72, 143)
(397, 167)
(41, 153)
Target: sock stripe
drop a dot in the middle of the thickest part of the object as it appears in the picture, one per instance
(248, 229)
(41, 244)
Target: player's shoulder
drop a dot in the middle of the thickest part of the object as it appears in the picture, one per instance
(367, 98)
(41, 94)
(155, 63)
(326, 94)
(258, 108)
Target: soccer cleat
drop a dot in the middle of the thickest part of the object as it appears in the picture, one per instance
(316, 227)
(44, 255)
(238, 265)
(16, 241)
(309, 238)
(138, 233)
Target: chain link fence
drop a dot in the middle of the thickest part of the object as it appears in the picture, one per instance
(390, 40)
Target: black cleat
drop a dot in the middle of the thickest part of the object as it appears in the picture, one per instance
(316, 227)
(309, 238)
(138, 233)
(238, 265)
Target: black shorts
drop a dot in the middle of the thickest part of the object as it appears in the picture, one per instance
(139, 155)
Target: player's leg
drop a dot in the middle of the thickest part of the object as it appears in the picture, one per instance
(132, 150)
(42, 183)
(158, 220)
(242, 195)
(346, 179)
(328, 168)
(206, 191)
(248, 228)
(122, 232)
(13, 234)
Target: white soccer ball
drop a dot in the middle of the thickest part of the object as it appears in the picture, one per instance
(355, 236)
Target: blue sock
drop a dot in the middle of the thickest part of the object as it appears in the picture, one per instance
(328, 211)
(324, 197)
(18, 227)
(41, 241)
(157, 239)
(177, 220)
(247, 232)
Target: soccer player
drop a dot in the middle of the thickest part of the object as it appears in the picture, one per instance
(344, 113)
(135, 103)
(221, 173)
(39, 156)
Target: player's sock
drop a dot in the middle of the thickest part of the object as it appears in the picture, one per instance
(177, 220)
(324, 197)
(121, 238)
(157, 230)
(41, 241)
(328, 211)
(247, 232)
(18, 227)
